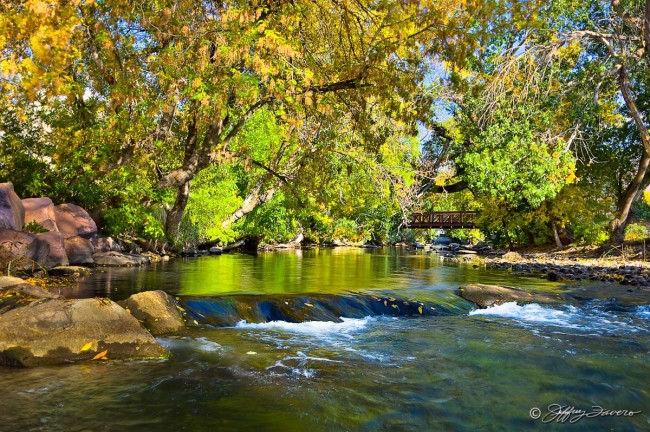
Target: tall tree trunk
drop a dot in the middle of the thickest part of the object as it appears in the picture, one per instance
(618, 224)
(556, 235)
(175, 215)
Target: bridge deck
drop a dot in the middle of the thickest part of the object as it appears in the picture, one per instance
(442, 220)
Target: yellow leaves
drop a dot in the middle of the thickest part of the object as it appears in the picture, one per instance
(309, 305)
(86, 347)
(420, 310)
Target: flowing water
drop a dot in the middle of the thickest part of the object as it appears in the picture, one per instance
(348, 339)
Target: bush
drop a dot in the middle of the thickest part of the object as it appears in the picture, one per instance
(635, 232)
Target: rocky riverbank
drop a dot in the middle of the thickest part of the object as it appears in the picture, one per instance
(558, 268)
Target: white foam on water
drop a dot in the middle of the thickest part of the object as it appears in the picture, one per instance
(530, 312)
(589, 322)
(313, 328)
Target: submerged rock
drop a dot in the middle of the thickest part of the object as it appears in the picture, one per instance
(58, 331)
(489, 295)
(12, 212)
(158, 311)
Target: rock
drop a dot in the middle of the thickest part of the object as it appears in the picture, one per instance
(73, 221)
(488, 295)
(158, 311)
(40, 210)
(215, 250)
(60, 331)
(511, 256)
(80, 250)
(9, 281)
(106, 244)
(23, 250)
(12, 212)
(74, 271)
(553, 276)
(20, 294)
(57, 255)
(117, 259)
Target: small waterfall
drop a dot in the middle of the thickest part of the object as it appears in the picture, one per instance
(227, 311)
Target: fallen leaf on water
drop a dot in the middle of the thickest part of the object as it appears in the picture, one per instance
(385, 303)
(394, 306)
(87, 346)
(420, 310)
(309, 304)
(391, 299)
(101, 355)
(251, 353)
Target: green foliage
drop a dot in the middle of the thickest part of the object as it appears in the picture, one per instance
(133, 221)
(636, 232)
(34, 228)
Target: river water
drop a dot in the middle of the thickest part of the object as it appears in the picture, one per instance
(463, 369)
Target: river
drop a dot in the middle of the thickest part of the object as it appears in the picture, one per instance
(463, 369)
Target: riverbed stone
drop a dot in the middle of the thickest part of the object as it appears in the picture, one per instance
(12, 212)
(117, 259)
(69, 271)
(58, 331)
(23, 250)
(40, 210)
(158, 311)
(57, 255)
(80, 250)
(483, 295)
(73, 220)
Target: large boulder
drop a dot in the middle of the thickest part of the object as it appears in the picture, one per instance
(106, 244)
(117, 259)
(79, 250)
(73, 221)
(158, 311)
(57, 255)
(40, 210)
(22, 250)
(489, 295)
(59, 331)
(12, 212)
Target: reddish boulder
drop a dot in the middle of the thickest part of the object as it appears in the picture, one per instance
(79, 250)
(40, 210)
(106, 244)
(12, 212)
(73, 221)
(22, 250)
(57, 255)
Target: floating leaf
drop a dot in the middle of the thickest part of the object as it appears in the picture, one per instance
(420, 309)
(309, 304)
(101, 355)
(251, 353)
(394, 306)
(87, 346)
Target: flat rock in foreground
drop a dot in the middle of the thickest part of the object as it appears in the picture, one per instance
(58, 331)
(489, 295)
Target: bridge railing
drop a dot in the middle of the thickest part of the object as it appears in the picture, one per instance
(442, 220)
